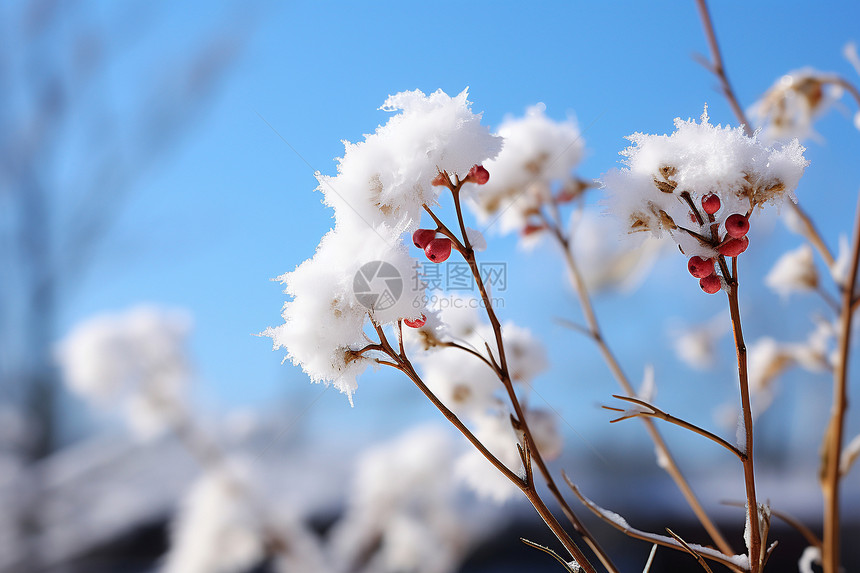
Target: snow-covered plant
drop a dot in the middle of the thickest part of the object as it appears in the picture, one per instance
(137, 358)
(360, 301)
(700, 185)
(226, 524)
(403, 512)
(790, 107)
(383, 183)
(349, 304)
(534, 169)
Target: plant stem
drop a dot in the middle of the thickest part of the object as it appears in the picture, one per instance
(627, 529)
(813, 236)
(718, 69)
(468, 254)
(526, 486)
(832, 446)
(670, 465)
(743, 378)
(658, 413)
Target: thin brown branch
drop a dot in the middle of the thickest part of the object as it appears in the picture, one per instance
(807, 533)
(526, 486)
(658, 413)
(829, 300)
(812, 235)
(689, 550)
(743, 382)
(574, 326)
(472, 351)
(594, 331)
(621, 524)
(718, 69)
(832, 446)
(504, 376)
(550, 552)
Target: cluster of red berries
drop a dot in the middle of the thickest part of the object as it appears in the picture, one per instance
(734, 243)
(438, 248)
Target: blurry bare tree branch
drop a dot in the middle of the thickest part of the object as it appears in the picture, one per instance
(70, 150)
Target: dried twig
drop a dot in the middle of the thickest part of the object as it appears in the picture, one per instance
(658, 413)
(832, 446)
(690, 550)
(735, 563)
(594, 332)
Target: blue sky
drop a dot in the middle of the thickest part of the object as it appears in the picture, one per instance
(233, 206)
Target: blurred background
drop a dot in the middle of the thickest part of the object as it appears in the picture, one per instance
(164, 155)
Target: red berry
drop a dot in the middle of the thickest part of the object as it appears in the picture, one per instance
(737, 225)
(423, 236)
(415, 322)
(734, 247)
(531, 229)
(478, 174)
(700, 268)
(710, 284)
(711, 204)
(438, 250)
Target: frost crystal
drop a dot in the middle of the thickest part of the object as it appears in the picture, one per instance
(666, 177)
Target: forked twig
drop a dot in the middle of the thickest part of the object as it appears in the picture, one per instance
(554, 555)
(738, 563)
(593, 331)
(690, 550)
(500, 360)
(658, 413)
(807, 533)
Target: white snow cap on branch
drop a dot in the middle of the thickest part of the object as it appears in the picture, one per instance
(605, 261)
(664, 174)
(788, 109)
(794, 271)
(137, 357)
(387, 177)
(402, 514)
(363, 268)
(225, 525)
(538, 152)
(356, 273)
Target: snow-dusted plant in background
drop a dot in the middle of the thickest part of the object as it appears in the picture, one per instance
(137, 358)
